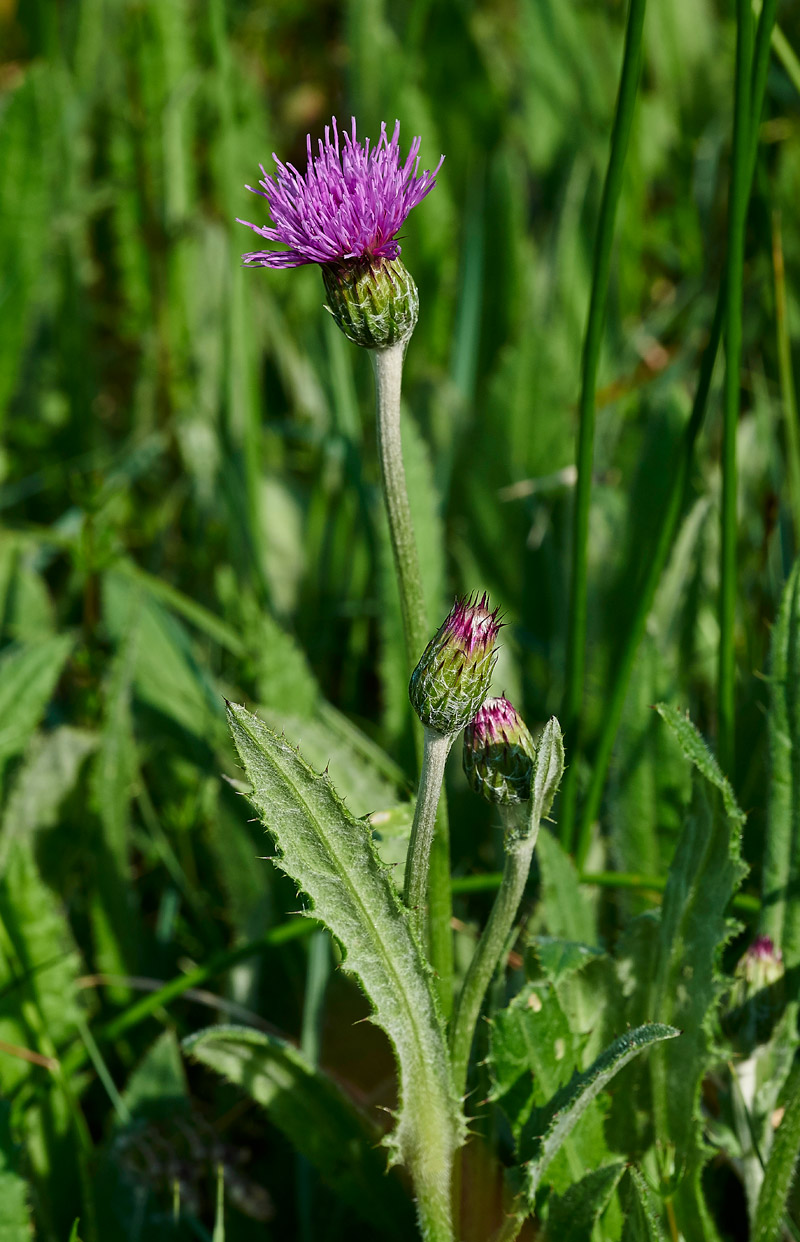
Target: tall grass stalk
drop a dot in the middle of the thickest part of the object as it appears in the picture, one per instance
(679, 475)
(737, 217)
(788, 394)
(576, 636)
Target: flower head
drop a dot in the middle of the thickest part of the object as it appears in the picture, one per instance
(756, 998)
(454, 673)
(499, 753)
(350, 204)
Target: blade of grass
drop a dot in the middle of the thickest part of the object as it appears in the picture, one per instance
(657, 557)
(576, 636)
(788, 394)
(738, 197)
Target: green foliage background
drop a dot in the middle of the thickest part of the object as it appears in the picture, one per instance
(190, 510)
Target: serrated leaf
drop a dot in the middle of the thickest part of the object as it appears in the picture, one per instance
(358, 779)
(573, 1215)
(704, 874)
(642, 1219)
(548, 768)
(559, 959)
(534, 1051)
(566, 906)
(45, 778)
(780, 911)
(15, 1225)
(331, 857)
(39, 964)
(568, 1105)
(780, 1167)
(697, 751)
(28, 675)
(315, 1115)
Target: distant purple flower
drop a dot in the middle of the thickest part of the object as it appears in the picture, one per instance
(350, 203)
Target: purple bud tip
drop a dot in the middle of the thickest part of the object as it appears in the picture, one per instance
(473, 625)
(763, 950)
(494, 721)
(352, 200)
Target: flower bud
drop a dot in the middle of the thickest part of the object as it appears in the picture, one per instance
(374, 301)
(499, 753)
(453, 677)
(756, 999)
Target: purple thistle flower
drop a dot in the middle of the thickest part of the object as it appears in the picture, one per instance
(350, 204)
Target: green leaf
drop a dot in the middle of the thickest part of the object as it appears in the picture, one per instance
(331, 857)
(780, 912)
(705, 873)
(359, 780)
(315, 1115)
(15, 1223)
(568, 1105)
(39, 964)
(566, 909)
(686, 982)
(642, 1219)
(42, 782)
(573, 1215)
(548, 768)
(28, 675)
(696, 750)
(780, 1167)
(114, 774)
(533, 1052)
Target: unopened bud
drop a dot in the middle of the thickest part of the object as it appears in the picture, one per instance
(453, 676)
(499, 753)
(756, 999)
(374, 301)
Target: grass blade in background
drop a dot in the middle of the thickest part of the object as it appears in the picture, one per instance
(738, 198)
(780, 909)
(322, 1124)
(15, 1221)
(780, 1167)
(576, 637)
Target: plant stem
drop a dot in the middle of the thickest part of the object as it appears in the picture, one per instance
(388, 368)
(737, 218)
(679, 473)
(434, 756)
(487, 955)
(576, 636)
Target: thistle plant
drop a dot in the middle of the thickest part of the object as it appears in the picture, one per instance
(343, 215)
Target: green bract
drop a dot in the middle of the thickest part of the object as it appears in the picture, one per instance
(374, 301)
(499, 753)
(453, 676)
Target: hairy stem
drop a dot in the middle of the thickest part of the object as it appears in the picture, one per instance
(434, 756)
(737, 217)
(576, 636)
(487, 955)
(388, 367)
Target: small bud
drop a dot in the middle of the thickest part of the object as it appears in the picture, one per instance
(756, 999)
(453, 677)
(374, 301)
(499, 753)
